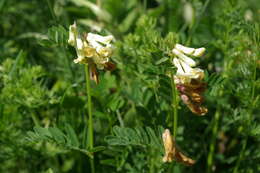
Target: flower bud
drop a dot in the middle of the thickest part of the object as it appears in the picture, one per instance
(199, 52)
(72, 34)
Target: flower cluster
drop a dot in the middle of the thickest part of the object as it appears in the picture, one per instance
(92, 49)
(172, 152)
(188, 79)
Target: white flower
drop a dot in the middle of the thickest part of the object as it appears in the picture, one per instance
(93, 46)
(72, 34)
(188, 12)
(77, 42)
(98, 38)
(184, 58)
(185, 73)
(190, 51)
(100, 43)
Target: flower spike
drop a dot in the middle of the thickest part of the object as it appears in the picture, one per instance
(188, 79)
(92, 49)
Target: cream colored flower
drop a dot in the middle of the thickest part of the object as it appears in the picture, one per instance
(93, 47)
(190, 51)
(188, 79)
(101, 44)
(185, 73)
(185, 59)
(72, 34)
(96, 40)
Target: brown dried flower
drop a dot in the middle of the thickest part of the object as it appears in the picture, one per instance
(172, 152)
(191, 95)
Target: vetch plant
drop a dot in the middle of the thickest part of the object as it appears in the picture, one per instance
(93, 51)
(49, 122)
(188, 80)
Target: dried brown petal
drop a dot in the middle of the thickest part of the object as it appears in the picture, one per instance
(191, 95)
(172, 152)
(93, 73)
(195, 97)
(180, 157)
(168, 146)
(110, 66)
(197, 109)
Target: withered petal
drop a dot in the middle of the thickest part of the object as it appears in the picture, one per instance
(172, 152)
(110, 66)
(197, 109)
(93, 73)
(180, 157)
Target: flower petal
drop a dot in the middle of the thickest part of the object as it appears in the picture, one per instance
(184, 58)
(98, 38)
(184, 49)
(199, 52)
(72, 34)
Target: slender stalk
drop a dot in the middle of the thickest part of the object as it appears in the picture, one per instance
(98, 2)
(151, 160)
(1, 111)
(90, 142)
(175, 104)
(120, 119)
(241, 155)
(193, 29)
(35, 119)
(144, 6)
(213, 141)
(51, 10)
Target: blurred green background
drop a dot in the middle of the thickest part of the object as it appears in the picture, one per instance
(41, 86)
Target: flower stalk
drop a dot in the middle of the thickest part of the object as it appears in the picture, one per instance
(175, 104)
(213, 141)
(90, 137)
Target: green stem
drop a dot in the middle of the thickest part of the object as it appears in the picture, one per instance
(98, 2)
(120, 119)
(241, 155)
(151, 159)
(35, 120)
(175, 104)
(193, 29)
(253, 82)
(90, 142)
(213, 141)
(51, 10)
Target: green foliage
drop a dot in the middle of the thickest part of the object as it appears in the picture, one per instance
(68, 141)
(23, 86)
(56, 36)
(143, 137)
(146, 141)
(43, 103)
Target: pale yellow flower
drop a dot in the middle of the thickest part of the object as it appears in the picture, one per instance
(185, 71)
(188, 79)
(190, 51)
(94, 47)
